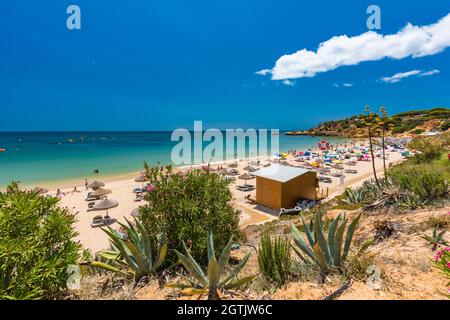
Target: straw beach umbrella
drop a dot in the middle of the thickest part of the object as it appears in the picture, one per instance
(100, 192)
(246, 176)
(135, 212)
(141, 179)
(96, 184)
(250, 168)
(106, 204)
(233, 165)
(40, 190)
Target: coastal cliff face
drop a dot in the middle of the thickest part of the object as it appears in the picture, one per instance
(405, 123)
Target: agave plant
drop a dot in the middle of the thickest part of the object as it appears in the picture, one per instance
(436, 238)
(354, 196)
(134, 252)
(327, 254)
(211, 282)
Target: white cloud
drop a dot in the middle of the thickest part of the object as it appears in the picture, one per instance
(399, 76)
(288, 82)
(263, 72)
(430, 73)
(411, 41)
(345, 84)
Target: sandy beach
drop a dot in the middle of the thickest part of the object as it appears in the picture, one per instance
(122, 191)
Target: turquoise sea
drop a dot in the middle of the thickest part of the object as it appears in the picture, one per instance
(38, 157)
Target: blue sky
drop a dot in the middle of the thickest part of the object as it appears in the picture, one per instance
(159, 64)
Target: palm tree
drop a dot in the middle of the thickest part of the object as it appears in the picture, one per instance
(369, 123)
(383, 112)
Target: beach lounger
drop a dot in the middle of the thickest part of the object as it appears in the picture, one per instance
(97, 221)
(352, 171)
(325, 179)
(245, 188)
(290, 211)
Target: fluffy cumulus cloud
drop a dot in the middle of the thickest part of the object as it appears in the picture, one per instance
(401, 75)
(411, 41)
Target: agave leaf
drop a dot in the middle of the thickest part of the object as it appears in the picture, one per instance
(136, 256)
(210, 246)
(213, 272)
(192, 291)
(299, 254)
(349, 236)
(338, 243)
(440, 235)
(161, 256)
(236, 270)
(125, 252)
(320, 239)
(300, 243)
(107, 267)
(178, 285)
(147, 247)
(364, 247)
(224, 256)
(308, 232)
(192, 269)
(320, 257)
(109, 254)
(194, 264)
(332, 233)
(240, 282)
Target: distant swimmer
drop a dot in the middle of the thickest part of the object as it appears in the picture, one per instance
(96, 171)
(2, 150)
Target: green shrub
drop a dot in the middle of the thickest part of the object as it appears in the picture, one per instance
(418, 131)
(445, 126)
(36, 246)
(429, 149)
(442, 263)
(274, 259)
(185, 206)
(427, 182)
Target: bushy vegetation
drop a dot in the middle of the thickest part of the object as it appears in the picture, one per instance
(185, 206)
(429, 149)
(420, 180)
(426, 182)
(36, 246)
(442, 263)
(399, 123)
(274, 259)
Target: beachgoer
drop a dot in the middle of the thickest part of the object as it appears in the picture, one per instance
(86, 183)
